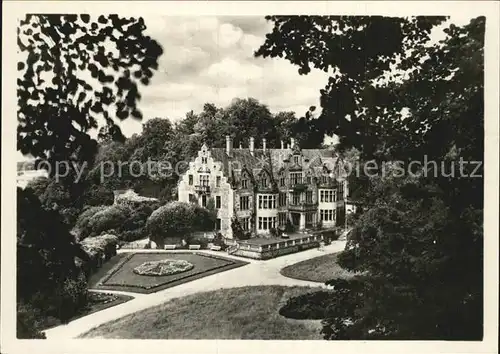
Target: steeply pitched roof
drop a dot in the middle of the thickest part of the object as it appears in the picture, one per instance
(273, 160)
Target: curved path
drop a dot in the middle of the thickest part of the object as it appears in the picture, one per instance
(255, 273)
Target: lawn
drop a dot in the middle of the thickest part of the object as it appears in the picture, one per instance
(318, 269)
(122, 277)
(237, 313)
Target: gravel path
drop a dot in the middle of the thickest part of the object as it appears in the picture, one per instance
(255, 273)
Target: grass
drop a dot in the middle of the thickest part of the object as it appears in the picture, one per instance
(318, 269)
(97, 302)
(106, 267)
(237, 313)
(122, 277)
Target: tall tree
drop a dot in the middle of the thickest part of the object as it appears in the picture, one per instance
(358, 51)
(396, 95)
(79, 71)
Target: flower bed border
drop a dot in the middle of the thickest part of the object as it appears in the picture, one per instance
(104, 285)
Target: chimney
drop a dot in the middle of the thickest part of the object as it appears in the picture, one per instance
(251, 145)
(292, 143)
(264, 144)
(229, 145)
(282, 145)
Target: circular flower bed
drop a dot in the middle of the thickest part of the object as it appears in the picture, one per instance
(163, 267)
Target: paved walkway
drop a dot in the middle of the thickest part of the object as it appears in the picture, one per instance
(255, 273)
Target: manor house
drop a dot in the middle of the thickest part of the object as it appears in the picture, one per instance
(266, 188)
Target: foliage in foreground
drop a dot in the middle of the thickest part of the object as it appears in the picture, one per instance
(404, 99)
(48, 281)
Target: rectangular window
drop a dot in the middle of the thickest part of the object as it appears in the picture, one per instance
(308, 179)
(217, 181)
(322, 196)
(245, 224)
(295, 198)
(295, 178)
(204, 201)
(282, 181)
(192, 199)
(282, 199)
(263, 182)
(335, 196)
(204, 160)
(204, 180)
(282, 219)
(217, 224)
(267, 201)
(190, 180)
(296, 159)
(309, 196)
(217, 202)
(244, 202)
(260, 223)
(244, 183)
(324, 179)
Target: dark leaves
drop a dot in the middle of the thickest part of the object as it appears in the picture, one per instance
(41, 108)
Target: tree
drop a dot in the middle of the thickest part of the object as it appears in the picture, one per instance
(358, 51)
(38, 185)
(58, 106)
(46, 254)
(398, 97)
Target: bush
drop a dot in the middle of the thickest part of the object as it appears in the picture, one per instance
(196, 240)
(113, 217)
(311, 306)
(132, 235)
(72, 298)
(177, 219)
(99, 248)
(28, 322)
(274, 232)
(82, 222)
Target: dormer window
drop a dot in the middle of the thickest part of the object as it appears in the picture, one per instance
(244, 183)
(203, 160)
(263, 182)
(296, 159)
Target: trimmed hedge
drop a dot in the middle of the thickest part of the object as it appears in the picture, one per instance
(310, 306)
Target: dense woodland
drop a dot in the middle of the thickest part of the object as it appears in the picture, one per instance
(393, 96)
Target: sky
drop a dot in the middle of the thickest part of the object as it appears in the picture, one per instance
(211, 59)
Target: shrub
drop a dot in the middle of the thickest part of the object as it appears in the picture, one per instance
(177, 219)
(238, 232)
(289, 227)
(82, 222)
(113, 217)
(71, 297)
(196, 240)
(28, 322)
(219, 241)
(99, 248)
(132, 235)
(310, 306)
(274, 232)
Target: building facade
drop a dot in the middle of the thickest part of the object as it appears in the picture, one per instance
(267, 188)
